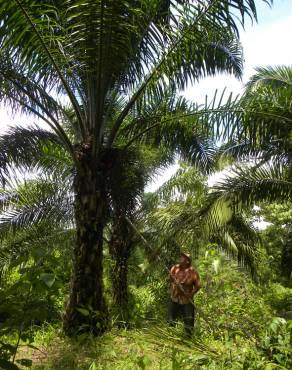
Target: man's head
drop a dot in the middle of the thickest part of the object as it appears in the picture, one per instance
(184, 260)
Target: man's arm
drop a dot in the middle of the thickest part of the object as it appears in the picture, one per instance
(172, 273)
(196, 282)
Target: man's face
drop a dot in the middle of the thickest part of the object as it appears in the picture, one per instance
(183, 260)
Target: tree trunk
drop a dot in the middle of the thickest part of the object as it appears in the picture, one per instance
(86, 309)
(120, 246)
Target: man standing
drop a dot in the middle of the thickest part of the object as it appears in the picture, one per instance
(185, 282)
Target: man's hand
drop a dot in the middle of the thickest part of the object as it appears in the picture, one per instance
(189, 295)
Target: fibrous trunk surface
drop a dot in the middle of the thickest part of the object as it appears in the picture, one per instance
(120, 247)
(86, 309)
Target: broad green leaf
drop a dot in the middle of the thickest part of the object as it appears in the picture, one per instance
(48, 279)
(83, 311)
(38, 253)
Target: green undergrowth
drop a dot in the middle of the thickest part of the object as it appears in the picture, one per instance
(161, 347)
(239, 325)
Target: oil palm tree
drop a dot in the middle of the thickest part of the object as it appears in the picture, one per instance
(49, 197)
(92, 56)
(48, 200)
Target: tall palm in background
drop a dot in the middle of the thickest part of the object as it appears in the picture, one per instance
(261, 152)
(94, 56)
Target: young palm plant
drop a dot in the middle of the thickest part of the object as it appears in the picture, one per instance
(89, 55)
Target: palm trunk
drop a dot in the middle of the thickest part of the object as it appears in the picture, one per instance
(86, 283)
(120, 246)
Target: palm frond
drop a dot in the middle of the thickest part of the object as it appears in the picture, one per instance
(23, 91)
(175, 214)
(30, 149)
(245, 254)
(197, 54)
(244, 228)
(51, 58)
(267, 108)
(247, 185)
(244, 187)
(186, 182)
(37, 241)
(245, 151)
(34, 202)
(202, 42)
(87, 48)
(185, 128)
(275, 77)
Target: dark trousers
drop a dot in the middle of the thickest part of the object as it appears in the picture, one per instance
(185, 311)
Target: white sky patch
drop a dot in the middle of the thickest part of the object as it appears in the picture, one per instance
(256, 208)
(264, 44)
(160, 179)
(261, 224)
(9, 118)
(218, 177)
